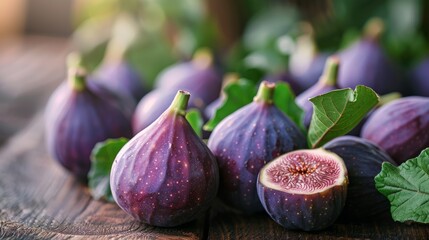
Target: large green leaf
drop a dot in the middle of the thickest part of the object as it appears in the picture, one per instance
(338, 112)
(407, 188)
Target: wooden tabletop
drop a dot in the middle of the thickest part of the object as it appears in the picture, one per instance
(40, 200)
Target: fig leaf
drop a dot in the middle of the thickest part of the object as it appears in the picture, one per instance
(196, 120)
(102, 156)
(407, 188)
(337, 112)
(284, 99)
(237, 95)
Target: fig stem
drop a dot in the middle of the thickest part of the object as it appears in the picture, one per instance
(265, 92)
(373, 29)
(180, 102)
(203, 58)
(384, 99)
(74, 60)
(77, 79)
(330, 73)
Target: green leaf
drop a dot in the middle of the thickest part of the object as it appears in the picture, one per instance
(196, 120)
(338, 112)
(407, 188)
(102, 157)
(237, 95)
(284, 99)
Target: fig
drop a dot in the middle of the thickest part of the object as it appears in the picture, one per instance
(326, 83)
(198, 76)
(419, 79)
(165, 175)
(79, 114)
(304, 189)
(363, 161)
(245, 141)
(365, 63)
(401, 127)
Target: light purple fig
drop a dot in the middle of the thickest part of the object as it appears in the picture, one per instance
(401, 127)
(165, 175)
(245, 141)
(304, 189)
(326, 83)
(80, 113)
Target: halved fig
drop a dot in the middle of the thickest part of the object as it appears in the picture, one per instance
(304, 189)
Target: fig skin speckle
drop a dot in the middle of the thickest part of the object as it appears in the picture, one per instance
(243, 143)
(401, 127)
(165, 176)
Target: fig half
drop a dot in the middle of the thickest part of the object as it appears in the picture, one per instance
(304, 189)
(165, 176)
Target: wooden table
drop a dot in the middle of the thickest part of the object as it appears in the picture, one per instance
(39, 200)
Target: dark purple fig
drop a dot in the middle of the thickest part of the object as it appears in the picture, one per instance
(245, 141)
(306, 63)
(165, 175)
(401, 127)
(120, 77)
(326, 83)
(285, 77)
(80, 114)
(199, 77)
(420, 79)
(363, 160)
(365, 63)
(304, 189)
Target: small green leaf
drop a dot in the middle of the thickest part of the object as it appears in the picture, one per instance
(338, 112)
(407, 188)
(196, 120)
(284, 99)
(102, 157)
(237, 95)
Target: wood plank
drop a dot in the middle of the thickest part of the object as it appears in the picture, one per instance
(226, 225)
(40, 200)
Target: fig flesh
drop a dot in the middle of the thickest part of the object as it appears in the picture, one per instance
(326, 83)
(304, 189)
(245, 141)
(363, 160)
(401, 127)
(165, 176)
(79, 114)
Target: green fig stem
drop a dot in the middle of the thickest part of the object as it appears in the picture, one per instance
(374, 28)
(203, 58)
(265, 93)
(74, 60)
(180, 102)
(384, 99)
(77, 79)
(330, 73)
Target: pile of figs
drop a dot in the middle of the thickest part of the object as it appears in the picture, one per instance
(256, 159)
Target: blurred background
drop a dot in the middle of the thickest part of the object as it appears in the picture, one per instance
(250, 37)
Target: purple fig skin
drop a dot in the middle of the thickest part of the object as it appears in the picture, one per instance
(363, 160)
(326, 83)
(420, 79)
(306, 79)
(77, 120)
(121, 78)
(365, 63)
(165, 176)
(286, 77)
(401, 127)
(243, 143)
(301, 205)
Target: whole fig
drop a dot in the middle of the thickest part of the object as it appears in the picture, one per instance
(326, 83)
(401, 127)
(198, 76)
(165, 175)
(304, 189)
(245, 141)
(365, 63)
(79, 114)
(363, 160)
